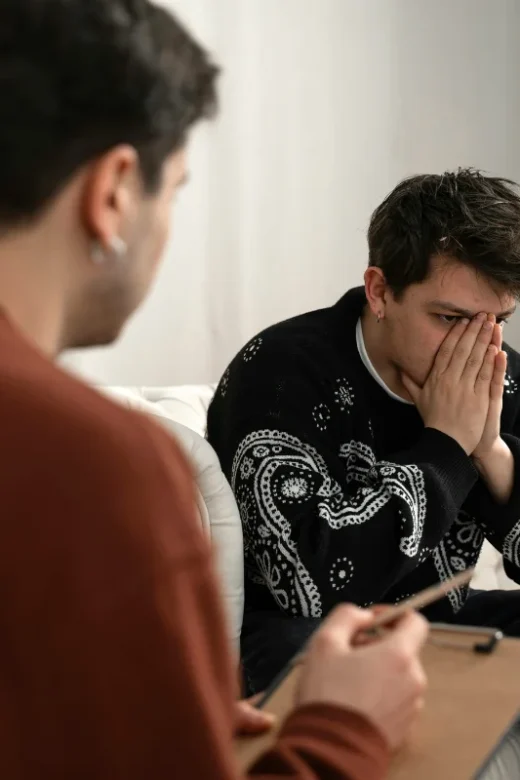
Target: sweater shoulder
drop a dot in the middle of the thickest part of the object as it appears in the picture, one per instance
(310, 341)
(63, 432)
(43, 401)
(513, 362)
(119, 475)
(309, 327)
(511, 387)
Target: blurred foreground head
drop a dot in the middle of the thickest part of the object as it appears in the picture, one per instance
(98, 98)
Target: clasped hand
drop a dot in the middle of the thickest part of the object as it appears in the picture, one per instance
(463, 393)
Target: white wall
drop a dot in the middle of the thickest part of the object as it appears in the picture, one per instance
(326, 104)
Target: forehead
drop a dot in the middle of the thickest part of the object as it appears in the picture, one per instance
(463, 287)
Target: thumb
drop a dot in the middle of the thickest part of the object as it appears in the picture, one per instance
(249, 720)
(342, 625)
(497, 381)
(411, 387)
(410, 632)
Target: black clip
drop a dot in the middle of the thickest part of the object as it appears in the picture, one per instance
(490, 638)
(488, 647)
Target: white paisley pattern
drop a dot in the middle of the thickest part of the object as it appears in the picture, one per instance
(510, 385)
(224, 383)
(321, 416)
(251, 349)
(286, 471)
(344, 394)
(271, 575)
(382, 481)
(341, 573)
(511, 548)
(458, 551)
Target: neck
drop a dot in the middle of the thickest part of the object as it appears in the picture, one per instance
(375, 337)
(32, 290)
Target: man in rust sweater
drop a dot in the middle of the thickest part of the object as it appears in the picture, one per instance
(113, 658)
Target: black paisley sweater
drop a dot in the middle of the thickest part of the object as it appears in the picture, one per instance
(344, 494)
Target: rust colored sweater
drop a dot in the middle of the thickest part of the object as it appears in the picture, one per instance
(113, 656)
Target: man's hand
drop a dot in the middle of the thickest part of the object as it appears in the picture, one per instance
(383, 680)
(249, 720)
(490, 440)
(492, 457)
(455, 398)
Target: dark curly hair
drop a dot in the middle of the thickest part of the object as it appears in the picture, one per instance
(463, 215)
(78, 77)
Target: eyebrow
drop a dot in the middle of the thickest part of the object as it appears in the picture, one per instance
(451, 307)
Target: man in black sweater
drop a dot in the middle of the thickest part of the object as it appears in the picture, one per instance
(373, 445)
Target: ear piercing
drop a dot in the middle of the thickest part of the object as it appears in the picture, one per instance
(117, 246)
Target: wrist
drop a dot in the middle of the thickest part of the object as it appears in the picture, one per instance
(498, 449)
(496, 467)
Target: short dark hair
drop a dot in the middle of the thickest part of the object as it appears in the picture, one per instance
(463, 215)
(78, 77)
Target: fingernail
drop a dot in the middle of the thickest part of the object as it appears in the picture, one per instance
(465, 321)
(488, 325)
(481, 317)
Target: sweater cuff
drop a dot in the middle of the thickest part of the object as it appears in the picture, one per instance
(447, 456)
(331, 736)
(511, 511)
(498, 518)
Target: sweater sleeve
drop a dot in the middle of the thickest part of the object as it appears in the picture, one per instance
(320, 513)
(324, 741)
(500, 522)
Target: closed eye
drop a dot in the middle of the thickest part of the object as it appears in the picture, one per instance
(451, 319)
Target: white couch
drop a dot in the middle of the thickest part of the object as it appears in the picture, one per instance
(183, 411)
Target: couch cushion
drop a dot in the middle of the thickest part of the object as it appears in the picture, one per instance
(186, 404)
(219, 512)
(490, 574)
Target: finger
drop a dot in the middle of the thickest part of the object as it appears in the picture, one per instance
(445, 351)
(249, 720)
(497, 336)
(253, 700)
(341, 626)
(499, 374)
(378, 609)
(409, 633)
(364, 638)
(476, 357)
(411, 388)
(464, 347)
(486, 372)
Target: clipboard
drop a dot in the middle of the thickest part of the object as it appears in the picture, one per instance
(472, 704)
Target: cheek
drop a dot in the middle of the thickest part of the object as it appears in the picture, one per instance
(417, 345)
(427, 350)
(157, 239)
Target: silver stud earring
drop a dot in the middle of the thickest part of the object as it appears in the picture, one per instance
(97, 253)
(118, 246)
(379, 317)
